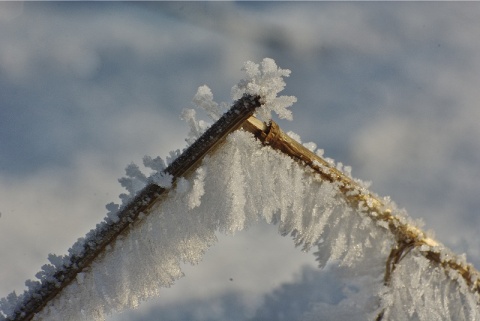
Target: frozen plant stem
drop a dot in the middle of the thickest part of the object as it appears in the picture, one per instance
(115, 266)
(142, 203)
(407, 236)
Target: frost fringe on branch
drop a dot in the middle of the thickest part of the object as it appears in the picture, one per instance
(264, 80)
(137, 185)
(438, 278)
(262, 174)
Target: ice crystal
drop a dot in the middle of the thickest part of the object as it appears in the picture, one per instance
(266, 80)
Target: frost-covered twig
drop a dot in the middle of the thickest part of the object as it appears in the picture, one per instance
(317, 202)
(258, 89)
(381, 211)
(56, 277)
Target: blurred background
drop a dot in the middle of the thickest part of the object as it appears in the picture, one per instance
(390, 89)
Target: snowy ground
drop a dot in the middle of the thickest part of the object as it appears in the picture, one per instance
(87, 88)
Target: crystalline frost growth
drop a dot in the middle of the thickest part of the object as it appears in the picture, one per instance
(422, 291)
(241, 183)
(265, 80)
(226, 193)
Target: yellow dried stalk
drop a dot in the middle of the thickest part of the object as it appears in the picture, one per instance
(407, 236)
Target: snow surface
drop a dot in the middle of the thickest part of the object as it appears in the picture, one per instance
(242, 183)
